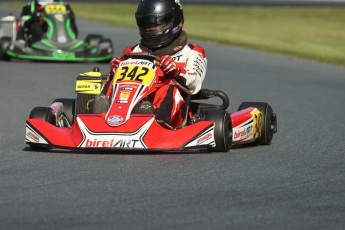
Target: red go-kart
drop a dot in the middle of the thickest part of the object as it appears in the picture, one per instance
(127, 121)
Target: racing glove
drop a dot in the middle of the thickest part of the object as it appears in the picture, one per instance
(114, 64)
(169, 66)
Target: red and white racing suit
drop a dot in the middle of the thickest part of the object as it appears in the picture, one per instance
(168, 100)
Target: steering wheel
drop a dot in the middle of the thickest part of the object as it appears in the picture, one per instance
(141, 55)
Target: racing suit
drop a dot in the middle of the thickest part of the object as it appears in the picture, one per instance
(168, 100)
(30, 24)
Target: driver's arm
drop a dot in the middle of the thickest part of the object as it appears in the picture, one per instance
(195, 70)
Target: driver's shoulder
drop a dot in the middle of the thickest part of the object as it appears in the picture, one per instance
(197, 48)
(132, 48)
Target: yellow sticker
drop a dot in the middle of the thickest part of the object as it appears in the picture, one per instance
(125, 94)
(134, 73)
(55, 9)
(89, 86)
(257, 118)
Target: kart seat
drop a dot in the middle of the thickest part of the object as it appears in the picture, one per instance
(62, 46)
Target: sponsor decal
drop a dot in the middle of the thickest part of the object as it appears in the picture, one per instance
(204, 138)
(115, 140)
(121, 143)
(136, 62)
(55, 9)
(177, 48)
(243, 133)
(114, 120)
(88, 86)
(124, 95)
(177, 57)
(83, 86)
(257, 116)
(122, 101)
(33, 136)
(126, 89)
(95, 86)
(60, 54)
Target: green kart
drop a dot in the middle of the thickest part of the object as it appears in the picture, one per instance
(59, 43)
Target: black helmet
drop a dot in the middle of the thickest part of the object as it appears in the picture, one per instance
(159, 22)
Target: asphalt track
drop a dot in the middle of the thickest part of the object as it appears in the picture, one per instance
(289, 3)
(297, 182)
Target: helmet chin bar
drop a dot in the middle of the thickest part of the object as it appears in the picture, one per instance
(158, 38)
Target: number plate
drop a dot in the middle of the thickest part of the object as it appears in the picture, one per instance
(135, 73)
(55, 9)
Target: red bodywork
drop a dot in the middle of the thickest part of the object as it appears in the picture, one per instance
(120, 128)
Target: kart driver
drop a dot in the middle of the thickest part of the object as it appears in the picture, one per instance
(160, 26)
(31, 27)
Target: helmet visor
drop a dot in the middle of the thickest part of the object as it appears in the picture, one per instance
(151, 21)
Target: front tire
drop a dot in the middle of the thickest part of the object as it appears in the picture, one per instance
(268, 124)
(4, 45)
(222, 130)
(68, 108)
(45, 114)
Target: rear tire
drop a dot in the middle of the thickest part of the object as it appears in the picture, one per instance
(222, 130)
(4, 45)
(268, 124)
(68, 108)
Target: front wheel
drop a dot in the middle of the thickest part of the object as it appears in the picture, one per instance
(68, 108)
(4, 45)
(45, 114)
(222, 129)
(269, 121)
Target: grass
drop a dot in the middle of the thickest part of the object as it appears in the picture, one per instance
(313, 33)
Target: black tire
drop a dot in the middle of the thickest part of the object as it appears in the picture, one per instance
(68, 108)
(93, 40)
(222, 129)
(45, 114)
(268, 124)
(4, 45)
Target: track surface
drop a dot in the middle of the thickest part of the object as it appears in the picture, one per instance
(322, 3)
(297, 182)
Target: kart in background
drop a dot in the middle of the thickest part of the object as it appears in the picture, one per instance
(58, 44)
(127, 121)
